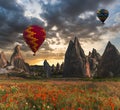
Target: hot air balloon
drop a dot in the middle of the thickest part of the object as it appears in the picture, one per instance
(102, 14)
(34, 36)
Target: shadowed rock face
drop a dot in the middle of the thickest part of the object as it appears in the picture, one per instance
(110, 62)
(94, 59)
(3, 60)
(47, 68)
(57, 69)
(53, 68)
(95, 55)
(61, 67)
(75, 59)
(17, 60)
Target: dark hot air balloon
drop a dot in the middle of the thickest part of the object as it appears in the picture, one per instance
(34, 36)
(102, 14)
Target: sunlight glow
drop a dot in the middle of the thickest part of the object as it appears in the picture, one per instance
(33, 9)
(40, 61)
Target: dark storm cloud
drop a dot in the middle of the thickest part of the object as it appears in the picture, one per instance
(11, 15)
(13, 22)
(63, 14)
(69, 10)
(10, 5)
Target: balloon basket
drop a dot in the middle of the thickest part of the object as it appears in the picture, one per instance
(34, 54)
(103, 23)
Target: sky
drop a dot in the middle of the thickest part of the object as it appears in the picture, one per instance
(62, 20)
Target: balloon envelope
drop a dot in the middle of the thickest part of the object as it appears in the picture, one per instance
(34, 36)
(102, 14)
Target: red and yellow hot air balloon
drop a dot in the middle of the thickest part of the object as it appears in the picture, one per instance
(34, 36)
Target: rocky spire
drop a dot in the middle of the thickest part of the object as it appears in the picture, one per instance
(110, 62)
(61, 66)
(47, 69)
(95, 54)
(53, 68)
(17, 60)
(57, 67)
(3, 60)
(110, 50)
(94, 59)
(78, 48)
(16, 54)
(75, 59)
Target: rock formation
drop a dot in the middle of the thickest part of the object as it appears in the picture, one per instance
(75, 59)
(88, 72)
(57, 68)
(53, 68)
(36, 70)
(47, 69)
(3, 60)
(94, 59)
(3, 71)
(61, 67)
(17, 60)
(110, 62)
(95, 55)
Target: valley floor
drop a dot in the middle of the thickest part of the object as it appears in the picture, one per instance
(59, 94)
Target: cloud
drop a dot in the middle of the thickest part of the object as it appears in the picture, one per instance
(62, 19)
(74, 18)
(10, 5)
(105, 34)
(69, 10)
(117, 18)
(13, 22)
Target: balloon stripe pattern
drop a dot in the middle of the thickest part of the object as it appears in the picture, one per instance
(30, 36)
(102, 15)
(34, 36)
